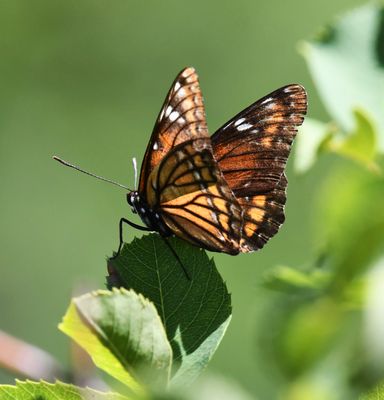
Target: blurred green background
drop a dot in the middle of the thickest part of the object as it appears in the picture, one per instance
(85, 80)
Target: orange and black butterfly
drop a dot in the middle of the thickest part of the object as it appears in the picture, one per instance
(224, 193)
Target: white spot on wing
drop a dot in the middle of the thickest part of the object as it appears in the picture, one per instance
(177, 86)
(289, 89)
(155, 146)
(173, 116)
(181, 92)
(244, 127)
(266, 100)
(239, 121)
(168, 111)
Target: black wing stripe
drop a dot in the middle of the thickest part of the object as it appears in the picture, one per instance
(166, 128)
(188, 158)
(192, 238)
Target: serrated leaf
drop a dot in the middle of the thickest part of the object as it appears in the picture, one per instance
(310, 140)
(376, 394)
(347, 65)
(58, 391)
(123, 334)
(195, 312)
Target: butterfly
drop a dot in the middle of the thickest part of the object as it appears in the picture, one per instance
(225, 192)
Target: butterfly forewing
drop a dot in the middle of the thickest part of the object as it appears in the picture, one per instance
(194, 200)
(252, 151)
(181, 118)
(252, 148)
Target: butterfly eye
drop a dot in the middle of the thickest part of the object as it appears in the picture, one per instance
(130, 198)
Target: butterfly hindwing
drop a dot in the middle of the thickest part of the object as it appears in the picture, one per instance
(182, 117)
(263, 215)
(252, 151)
(194, 200)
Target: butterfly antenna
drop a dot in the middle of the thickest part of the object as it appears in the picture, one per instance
(67, 164)
(134, 162)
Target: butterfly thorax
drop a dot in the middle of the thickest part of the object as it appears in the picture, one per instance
(151, 218)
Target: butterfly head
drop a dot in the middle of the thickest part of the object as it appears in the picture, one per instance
(133, 200)
(139, 206)
(150, 217)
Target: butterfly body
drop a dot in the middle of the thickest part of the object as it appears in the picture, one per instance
(151, 218)
(224, 193)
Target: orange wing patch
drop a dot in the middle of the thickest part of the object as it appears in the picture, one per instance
(188, 168)
(206, 217)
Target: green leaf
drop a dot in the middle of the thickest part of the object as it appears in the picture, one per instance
(376, 394)
(287, 279)
(58, 391)
(347, 65)
(361, 144)
(311, 139)
(195, 312)
(352, 223)
(123, 334)
(310, 332)
(316, 137)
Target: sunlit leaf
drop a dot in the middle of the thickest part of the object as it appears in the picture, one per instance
(376, 394)
(195, 312)
(123, 334)
(58, 391)
(361, 143)
(347, 65)
(351, 221)
(316, 137)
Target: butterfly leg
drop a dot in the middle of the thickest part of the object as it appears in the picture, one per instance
(125, 221)
(177, 258)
